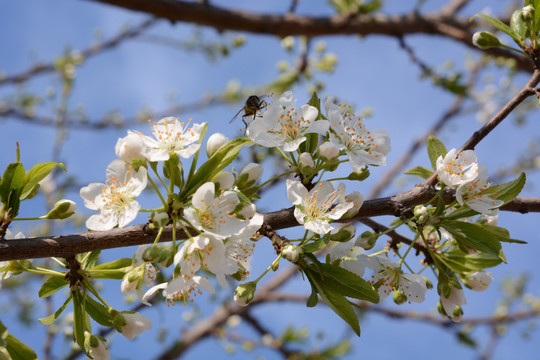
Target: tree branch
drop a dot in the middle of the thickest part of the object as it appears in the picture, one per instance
(437, 23)
(86, 53)
(68, 245)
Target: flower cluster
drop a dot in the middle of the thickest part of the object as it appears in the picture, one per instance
(461, 170)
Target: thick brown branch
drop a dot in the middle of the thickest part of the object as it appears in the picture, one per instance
(438, 23)
(68, 245)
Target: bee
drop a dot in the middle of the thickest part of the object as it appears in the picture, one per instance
(253, 105)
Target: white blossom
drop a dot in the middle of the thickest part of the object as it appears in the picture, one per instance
(478, 281)
(282, 124)
(470, 194)
(388, 277)
(172, 136)
(457, 168)
(131, 147)
(135, 324)
(454, 299)
(115, 199)
(315, 209)
(214, 142)
(348, 133)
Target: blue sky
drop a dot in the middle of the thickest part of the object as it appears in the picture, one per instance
(372, 72)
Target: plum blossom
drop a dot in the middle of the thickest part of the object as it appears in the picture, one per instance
(4, 269)
(214, 213)
(457, 168)
(348, 133)
(131, 147)
(455, 298)
(388, 277)
(478, 281)
(134, 324)
(115, 199)
(98, 348)
(144, 273)
(315, 209)
(470, 194)
(179, 288)
(172, 136)
(283, 124)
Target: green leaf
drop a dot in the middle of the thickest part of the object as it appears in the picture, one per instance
(51, 318)
(536, 15)
(501, 234)
(461, 212)
(217, 162)
(13, 178)
(347, 283)
(98, 312)
(508, 191)
(421, 171)
(115, 264)
(196, 156)
(81, 321)
(37, 173)
(461, 262)
(474, 236)
(16, 349)
(88, 259)
(337, 302)
(499, 25)
(435, 149)
(52, 285)
(518, 25)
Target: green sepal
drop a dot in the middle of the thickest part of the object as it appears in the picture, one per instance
(16, 349)
(48, 320)
(420, 171)
(37, 173)
(474, 236)
(435, 148)
(98, 312)
(52, 285)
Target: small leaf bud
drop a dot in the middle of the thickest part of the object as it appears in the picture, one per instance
(485, 40)
(292, 252)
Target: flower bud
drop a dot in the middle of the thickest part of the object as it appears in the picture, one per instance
(421, 212)
(160, 218)
(366, 240)
(292, 252)
(62, 210)
(130, 323)
(249, 175)
(359, 176)
(287, 43)
(478, 281)
(97, 347)
(224, 180)
(328, 151)
(130, 148)
(151, 254)
(215, 141)
(305, 163)
(399, 297)
(343, 234)
(130, 282)
(527, 12)
(485, 40)
(244, 293)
